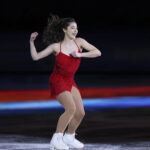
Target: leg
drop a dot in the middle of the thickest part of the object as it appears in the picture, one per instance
(79, 114)
(66, 100)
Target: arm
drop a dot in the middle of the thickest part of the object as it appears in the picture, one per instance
(92, 50)
(38, 55)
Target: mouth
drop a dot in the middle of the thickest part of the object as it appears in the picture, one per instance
(74, 34)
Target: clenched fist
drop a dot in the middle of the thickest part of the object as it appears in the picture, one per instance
(33, 36)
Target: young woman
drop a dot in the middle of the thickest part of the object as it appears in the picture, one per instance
(60, 36)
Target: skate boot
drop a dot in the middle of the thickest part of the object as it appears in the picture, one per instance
(57, 143)
(71, 141)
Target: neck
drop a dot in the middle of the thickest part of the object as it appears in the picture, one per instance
(67, 40)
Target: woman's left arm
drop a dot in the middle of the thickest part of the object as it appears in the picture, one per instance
(92, 50)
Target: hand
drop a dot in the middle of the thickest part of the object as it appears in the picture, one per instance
(33, 36)
(76, 54)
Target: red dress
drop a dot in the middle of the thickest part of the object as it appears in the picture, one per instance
(62, 78)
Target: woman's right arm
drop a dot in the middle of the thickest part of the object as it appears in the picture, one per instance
(38, 55)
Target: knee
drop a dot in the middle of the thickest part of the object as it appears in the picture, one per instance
(71, 110)
(80, 114)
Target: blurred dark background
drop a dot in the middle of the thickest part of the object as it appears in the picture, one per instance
(120, 29)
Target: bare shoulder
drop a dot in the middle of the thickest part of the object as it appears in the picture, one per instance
(80, 41)
(55, 47)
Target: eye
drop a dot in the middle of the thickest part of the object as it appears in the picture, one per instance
(74, 28)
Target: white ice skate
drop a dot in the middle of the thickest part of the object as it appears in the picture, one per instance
(71, 141)
(57, 143)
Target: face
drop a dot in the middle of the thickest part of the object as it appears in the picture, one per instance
(71, 30)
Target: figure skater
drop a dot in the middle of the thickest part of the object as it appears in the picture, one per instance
(60, 37)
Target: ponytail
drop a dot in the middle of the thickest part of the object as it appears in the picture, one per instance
(53, 32)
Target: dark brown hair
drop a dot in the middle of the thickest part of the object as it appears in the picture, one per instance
(53, 32)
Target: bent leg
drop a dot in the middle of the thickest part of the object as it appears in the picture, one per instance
(79, 114)
(66, 100)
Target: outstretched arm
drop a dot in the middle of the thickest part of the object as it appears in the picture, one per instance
(38, 55)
